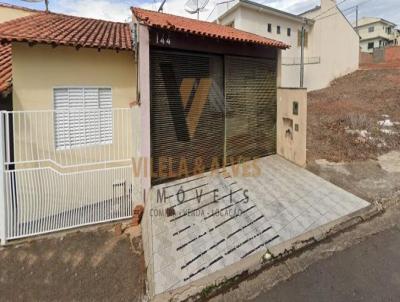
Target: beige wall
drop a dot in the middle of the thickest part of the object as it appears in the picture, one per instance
(8, 13)
(291, 139)
(38, 69)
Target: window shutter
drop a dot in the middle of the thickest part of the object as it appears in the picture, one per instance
(76, 118)
(61, 105)
(105, 97)
(83, 116)
(299, 38)
(305, 39)
(92, 116)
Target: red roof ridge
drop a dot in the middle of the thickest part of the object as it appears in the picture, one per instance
(171, 15)
(61, 29)
(44, 13)
(202, 28)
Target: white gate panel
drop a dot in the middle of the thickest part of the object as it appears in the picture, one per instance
(48, 188)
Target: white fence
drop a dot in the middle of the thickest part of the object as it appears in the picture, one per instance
(64, 169)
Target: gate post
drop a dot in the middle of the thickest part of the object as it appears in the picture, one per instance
(3, 207)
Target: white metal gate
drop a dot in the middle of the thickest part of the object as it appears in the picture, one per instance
(64, 169)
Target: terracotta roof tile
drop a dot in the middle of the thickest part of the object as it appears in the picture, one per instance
(5, 67)
(58, 29)
(201, 28)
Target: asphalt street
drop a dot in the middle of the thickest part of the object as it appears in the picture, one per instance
(368, 271)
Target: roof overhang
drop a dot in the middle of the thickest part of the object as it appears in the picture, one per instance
(373, 21)
(379, 37)
(5, 69)
(213, 31)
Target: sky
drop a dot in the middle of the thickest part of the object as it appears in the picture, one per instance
(118, 10)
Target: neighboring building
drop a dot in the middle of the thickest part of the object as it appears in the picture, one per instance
(8, 12)
(376, 33)
(72, 82)
(331, 44)
(398, 36)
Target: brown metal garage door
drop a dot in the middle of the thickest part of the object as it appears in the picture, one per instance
(250, 88)
(187, 112)
(189, 98)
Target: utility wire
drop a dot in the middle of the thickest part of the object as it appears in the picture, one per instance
(333, 7)
(216, 4)
(344, 10)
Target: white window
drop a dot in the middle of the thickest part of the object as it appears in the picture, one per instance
(83, 116)
(371, 29)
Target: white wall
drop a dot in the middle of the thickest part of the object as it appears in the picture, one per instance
(254, 21)
(332, 39)
(364, 45)
(380, 30)
(335, 41)
(379, 34)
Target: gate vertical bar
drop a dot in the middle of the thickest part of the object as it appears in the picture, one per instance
(3, 207)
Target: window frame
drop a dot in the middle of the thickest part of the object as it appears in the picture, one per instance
(230, 24)
(373, 45)
(269, 27)
(371, 29)
(278, 29)
(289, 32)
(86, 145)
(305, 38)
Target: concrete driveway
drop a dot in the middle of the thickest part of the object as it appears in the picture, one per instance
(208, 222)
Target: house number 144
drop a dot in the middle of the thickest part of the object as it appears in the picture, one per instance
(163, 39)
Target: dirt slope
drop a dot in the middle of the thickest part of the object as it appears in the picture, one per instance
(356, 118)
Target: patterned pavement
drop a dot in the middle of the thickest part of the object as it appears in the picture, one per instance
(204, 223)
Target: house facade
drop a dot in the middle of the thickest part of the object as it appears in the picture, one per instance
(70, 122)
(325, 58)
(90, 97)
(376, 33)
(96, 103)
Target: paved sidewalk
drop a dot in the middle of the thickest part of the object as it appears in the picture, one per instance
(368, 271)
